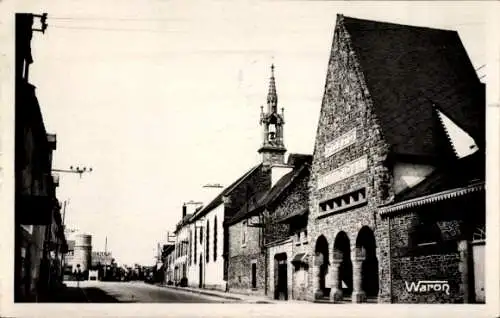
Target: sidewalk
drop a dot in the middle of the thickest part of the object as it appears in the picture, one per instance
(232, 296)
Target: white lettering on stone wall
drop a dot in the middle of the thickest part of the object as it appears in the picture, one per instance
(340, 143)
(347, 170)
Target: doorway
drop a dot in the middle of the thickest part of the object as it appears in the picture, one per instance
(281, 277)
(254, 275)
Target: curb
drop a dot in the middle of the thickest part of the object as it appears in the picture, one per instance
(202, 292)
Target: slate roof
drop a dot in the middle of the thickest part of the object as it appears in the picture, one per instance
(408, 69)
(267, 198)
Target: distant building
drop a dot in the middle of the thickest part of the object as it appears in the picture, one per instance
(168, 264)
(101, 258)
(79, 253)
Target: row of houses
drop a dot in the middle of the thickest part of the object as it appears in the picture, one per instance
(390, 207)
(40, 241)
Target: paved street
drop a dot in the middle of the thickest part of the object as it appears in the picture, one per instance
(137, 292)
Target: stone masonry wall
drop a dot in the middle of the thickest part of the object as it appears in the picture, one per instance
(411, 263)
(294, 199)
(258, 182)
(241, 258)
(347, 105)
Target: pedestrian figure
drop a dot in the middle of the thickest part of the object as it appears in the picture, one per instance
(78, 275)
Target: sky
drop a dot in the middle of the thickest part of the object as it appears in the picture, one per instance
(162, 97)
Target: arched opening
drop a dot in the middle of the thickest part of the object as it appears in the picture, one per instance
(321, 252)
(343, 245)
(369, 268)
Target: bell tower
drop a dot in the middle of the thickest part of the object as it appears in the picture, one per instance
(273, 149)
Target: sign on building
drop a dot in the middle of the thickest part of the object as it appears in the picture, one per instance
(343, 172)
(340, 143)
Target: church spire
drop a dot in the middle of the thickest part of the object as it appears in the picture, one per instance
(273, 148)
(272, 97)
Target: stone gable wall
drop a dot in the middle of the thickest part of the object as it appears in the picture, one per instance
(347, 105)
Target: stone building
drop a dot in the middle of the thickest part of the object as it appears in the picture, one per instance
(270, 234)
(382, 133)
(287, 240)
(261, 249)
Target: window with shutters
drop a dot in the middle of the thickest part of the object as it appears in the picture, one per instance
(207, 252)
(190, 246)
(215, 238)
(195, 242)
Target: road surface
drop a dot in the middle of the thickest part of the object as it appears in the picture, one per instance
(140, 292)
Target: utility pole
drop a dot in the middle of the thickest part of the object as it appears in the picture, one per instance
(105, 255)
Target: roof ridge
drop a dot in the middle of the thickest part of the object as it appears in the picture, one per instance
(397, 24)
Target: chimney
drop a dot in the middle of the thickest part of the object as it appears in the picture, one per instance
(184, 210)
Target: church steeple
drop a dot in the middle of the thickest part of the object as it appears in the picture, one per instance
(272, 97)
(273, 148)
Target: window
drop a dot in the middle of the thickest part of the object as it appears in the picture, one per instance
(201, 235)
(215, 238)
(195, 242)
(304, 237)
(427, 233)
(244, 233)
(190, 246)
(207, 252)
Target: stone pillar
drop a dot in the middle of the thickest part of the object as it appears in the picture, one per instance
(318, 260)
(358, 295)
(336, 292)
(464, 251)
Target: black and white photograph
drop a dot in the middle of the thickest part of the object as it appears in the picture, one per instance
(250, 154)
